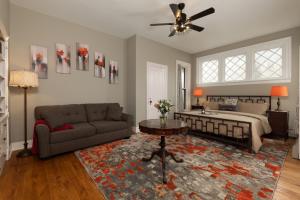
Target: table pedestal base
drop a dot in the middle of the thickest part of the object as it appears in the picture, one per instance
(163, 153)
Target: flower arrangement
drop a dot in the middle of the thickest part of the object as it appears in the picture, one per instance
(163, 106)
(83, 58)
(83, 52)
(204, 104)
(39, 57)
(59, 55)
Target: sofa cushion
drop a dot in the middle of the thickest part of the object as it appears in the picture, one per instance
(96, 112)
(52, 115)
(80, 130)
(107, 126)
(74, 113)
(114, 112)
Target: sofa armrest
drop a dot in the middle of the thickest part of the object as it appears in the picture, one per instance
(43, 135)
(128, 118)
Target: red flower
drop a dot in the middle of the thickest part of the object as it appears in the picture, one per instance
(39, 56)
(60, 52)
(83, 51)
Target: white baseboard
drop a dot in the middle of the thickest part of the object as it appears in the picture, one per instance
(136, 129)
(19, 145)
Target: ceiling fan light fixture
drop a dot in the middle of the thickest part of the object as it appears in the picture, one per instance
(183, 23)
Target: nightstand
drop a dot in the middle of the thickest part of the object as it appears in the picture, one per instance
(279, 122)
(197, 107)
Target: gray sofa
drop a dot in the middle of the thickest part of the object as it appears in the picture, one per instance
(93, 124)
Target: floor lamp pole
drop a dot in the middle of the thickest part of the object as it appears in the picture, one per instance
(25, 152)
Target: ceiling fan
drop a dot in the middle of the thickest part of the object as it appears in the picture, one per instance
(183, 23)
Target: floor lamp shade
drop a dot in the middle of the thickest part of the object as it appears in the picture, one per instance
(24, 79)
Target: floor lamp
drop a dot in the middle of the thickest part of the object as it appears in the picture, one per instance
(25, 80)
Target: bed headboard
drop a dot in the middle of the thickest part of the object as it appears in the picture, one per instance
(242, 98)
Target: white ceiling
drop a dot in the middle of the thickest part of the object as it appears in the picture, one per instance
(234, 20)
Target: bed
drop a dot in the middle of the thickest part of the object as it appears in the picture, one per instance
(233, 127)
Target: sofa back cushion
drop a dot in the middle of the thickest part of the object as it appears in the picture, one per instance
(74, 113)
(96, 112)
(58, 115)
(53, 115)
(114, 112)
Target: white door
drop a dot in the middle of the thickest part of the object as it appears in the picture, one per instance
(157, 87)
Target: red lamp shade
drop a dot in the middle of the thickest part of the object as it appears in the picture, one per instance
(279, 91)
(198, 92)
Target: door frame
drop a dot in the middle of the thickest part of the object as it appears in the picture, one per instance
(298, 109)
(147, 79)
(188, 66)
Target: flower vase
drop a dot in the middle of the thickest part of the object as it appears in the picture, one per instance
(163, 120)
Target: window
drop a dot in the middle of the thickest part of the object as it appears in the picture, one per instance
(267, 62)
(210, 71)
(235, 68)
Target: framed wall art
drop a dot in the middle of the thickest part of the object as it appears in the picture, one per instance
(63, 58)
(39, 61)
(82, 56)
(99, 62)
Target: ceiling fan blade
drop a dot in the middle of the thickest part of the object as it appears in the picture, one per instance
(202, 14)
(196, 28)
(172, 33)
(174, 8)
(161, 24)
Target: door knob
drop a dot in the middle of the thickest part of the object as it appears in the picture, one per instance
(150, 101)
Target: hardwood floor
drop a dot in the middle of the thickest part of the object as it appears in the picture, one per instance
(64, 178)
(288, 186)
(61, 178)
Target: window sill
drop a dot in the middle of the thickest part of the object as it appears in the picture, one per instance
(244, 83)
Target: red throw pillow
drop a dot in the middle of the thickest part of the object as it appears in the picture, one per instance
(63, 127)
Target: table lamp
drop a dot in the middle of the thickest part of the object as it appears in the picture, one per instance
(279, 91)
(24, 79)
(198, 92)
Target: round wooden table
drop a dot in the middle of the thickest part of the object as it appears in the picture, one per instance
(154, 127)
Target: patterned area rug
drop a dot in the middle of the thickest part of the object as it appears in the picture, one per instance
(210, 170)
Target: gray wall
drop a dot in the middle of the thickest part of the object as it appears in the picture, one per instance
(28, 27)
(4, 13)
(289, 103)
(148, 50)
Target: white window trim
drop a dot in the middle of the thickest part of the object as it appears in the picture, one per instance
(249, 51)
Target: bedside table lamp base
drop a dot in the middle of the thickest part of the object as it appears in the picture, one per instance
(198, 104)
(278, 105)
